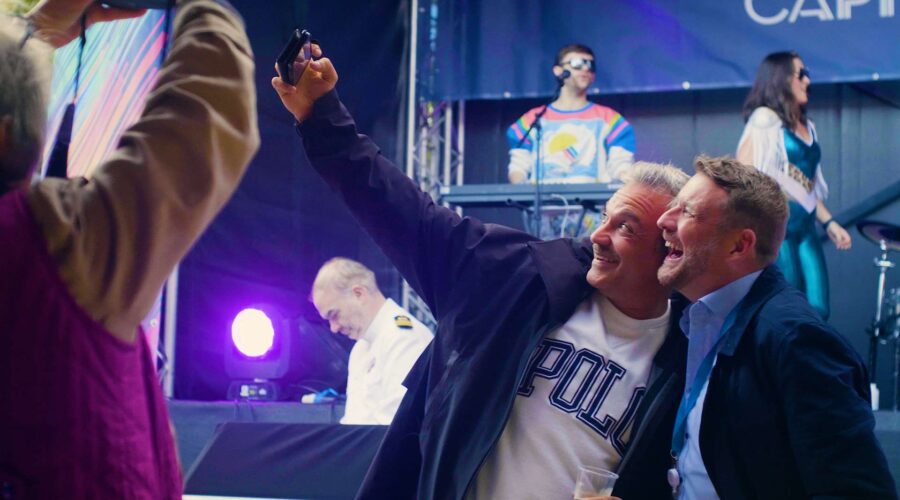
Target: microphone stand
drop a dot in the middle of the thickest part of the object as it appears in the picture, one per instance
(538, 161)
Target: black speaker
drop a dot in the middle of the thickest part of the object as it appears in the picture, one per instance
(265, 460)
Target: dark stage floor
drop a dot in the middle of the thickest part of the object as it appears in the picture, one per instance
(196, 423)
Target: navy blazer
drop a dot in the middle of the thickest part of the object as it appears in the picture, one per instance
(787, 411)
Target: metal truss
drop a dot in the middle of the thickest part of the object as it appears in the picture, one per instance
(435, 138)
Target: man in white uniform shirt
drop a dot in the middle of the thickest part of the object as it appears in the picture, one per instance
(388, 339)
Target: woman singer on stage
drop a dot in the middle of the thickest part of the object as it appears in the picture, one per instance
(781, 141)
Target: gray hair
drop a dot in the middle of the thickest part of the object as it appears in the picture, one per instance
(657, 176)
(342, 274)
(24, 88)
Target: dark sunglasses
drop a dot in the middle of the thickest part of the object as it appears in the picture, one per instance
(581, 63)
(803, 73)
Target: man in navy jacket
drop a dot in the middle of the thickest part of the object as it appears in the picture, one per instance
(777, 402)
(497, 293)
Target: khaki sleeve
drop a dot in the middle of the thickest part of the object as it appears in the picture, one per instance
(117, 236)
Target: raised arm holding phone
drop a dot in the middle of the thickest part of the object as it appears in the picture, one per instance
(501, 295)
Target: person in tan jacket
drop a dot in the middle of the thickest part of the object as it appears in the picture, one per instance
(82, 260)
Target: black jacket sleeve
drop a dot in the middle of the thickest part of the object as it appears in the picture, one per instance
(434, 248)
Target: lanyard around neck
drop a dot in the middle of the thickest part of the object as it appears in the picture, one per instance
(689, 399)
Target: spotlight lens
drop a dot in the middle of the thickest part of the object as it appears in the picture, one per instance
(252, 332)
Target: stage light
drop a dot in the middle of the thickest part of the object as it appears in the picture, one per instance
(252, 332)
(269, 351)
(259, 354)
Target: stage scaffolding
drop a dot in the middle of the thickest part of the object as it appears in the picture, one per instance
(435, 129)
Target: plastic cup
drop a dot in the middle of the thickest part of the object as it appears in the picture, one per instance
(594, 482)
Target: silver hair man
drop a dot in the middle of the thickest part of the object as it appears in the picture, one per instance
(342, 273)
(662, 177)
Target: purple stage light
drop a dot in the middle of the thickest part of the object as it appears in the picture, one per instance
(252, 332)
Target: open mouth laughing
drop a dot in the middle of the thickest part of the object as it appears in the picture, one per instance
(674, 251)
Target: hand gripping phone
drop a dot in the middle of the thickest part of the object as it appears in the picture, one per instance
(294, 57)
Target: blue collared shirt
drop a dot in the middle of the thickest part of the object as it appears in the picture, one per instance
(703, 326)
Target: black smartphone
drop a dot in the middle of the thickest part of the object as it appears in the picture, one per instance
(294, 57)
(138, 4)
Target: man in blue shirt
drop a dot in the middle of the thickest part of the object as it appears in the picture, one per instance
(776, 402)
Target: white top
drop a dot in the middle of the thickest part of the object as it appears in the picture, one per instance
(378, 364)
(575, 406)
(765, 130)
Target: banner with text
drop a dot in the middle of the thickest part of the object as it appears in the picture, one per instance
(506, 48)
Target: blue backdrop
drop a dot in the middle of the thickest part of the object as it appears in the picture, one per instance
(505, 48)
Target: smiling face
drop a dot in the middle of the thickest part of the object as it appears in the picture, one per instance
(628, 248)
(800, 84)
(696, 245)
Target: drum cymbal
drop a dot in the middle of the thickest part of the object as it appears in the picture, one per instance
(877, 232)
